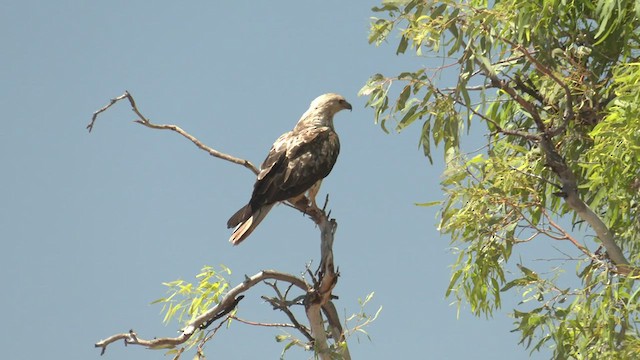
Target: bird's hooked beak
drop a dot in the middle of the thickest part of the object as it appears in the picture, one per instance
(346, 105)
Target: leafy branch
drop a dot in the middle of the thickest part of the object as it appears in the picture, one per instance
(555, 85)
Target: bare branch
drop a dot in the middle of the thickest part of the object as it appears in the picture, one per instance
(321, 343)
(572, 198)
(320, 297)
(537, 177)
(330, 311)
(254, 323)
(146, 122)
(567, 236)
(209, 336)
(227, 304)
(104, 108)
(227, 310)
(283, 305)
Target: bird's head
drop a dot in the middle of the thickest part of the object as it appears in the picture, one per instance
(330, 102)
(321, 111)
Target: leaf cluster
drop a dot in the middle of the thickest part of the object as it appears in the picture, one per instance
(186, 300)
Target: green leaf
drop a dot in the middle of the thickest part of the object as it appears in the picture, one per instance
(513, 283)
(411, 115)
(402, 98)
(452, 283)
(438, 11)
(486, 64)
(402, 47)
(395, 2)
(475, 160)
(425, 140)
(465, 96)
(530, 274)
(379, 30)
(429, 204)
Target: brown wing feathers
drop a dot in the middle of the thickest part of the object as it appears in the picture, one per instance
(296, 161)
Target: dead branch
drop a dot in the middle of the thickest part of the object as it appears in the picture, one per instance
(209, 336)
(146, 122)
(228, 303)
(254, 323)
(318, 296)
(337, 332)
(281, 303)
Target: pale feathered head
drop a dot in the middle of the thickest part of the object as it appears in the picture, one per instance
(331, 102)
(322, 109)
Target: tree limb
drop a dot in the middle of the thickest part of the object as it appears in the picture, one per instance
(317, 297)
(337, 332)
(228, 303)
(572, 198)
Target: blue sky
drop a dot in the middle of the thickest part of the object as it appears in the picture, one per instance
(92, 224)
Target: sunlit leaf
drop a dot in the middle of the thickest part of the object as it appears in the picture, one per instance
(429, 204)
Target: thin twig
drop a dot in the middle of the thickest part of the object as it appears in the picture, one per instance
(537, 177)
(254, 323)
(210, 335)
(567, 236)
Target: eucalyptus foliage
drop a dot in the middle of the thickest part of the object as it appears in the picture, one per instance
(554, 87)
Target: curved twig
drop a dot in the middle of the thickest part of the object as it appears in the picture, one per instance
(146, 122)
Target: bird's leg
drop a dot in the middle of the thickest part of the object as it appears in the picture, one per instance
(313, 192)
(306, 202)
(308, 198)
(300, 200)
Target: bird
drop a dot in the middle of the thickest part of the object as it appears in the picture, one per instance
(296, 164)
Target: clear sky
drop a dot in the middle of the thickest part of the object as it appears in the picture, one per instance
(92, 224)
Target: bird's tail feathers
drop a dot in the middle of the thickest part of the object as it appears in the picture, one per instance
(247, 226)
(241, 215)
